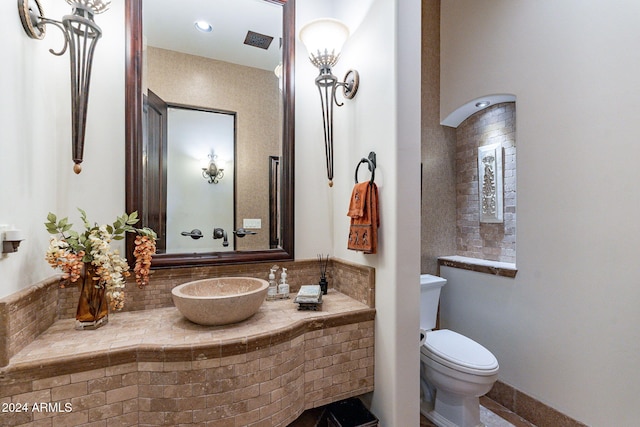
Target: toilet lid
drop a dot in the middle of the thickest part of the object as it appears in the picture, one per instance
(460, 352)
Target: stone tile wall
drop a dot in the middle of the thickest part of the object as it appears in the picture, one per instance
(80, 398)
(353, 280)
(494, 242)
(269, 386)
(24, 315)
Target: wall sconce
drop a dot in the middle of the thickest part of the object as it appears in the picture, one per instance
(323, 39)
(80, 36)
(212, 173)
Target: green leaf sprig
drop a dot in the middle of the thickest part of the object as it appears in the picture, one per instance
(80, 242)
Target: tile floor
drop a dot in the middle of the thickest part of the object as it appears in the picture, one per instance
(492, 415)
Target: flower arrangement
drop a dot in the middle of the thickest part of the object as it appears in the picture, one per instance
(70, 252)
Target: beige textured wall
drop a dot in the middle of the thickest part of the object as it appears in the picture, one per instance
(250, 92)
(438, 224)
(494, 242)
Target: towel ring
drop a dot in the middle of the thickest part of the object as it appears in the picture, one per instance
(371, 160)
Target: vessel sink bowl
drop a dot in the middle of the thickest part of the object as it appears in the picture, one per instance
(220, 301)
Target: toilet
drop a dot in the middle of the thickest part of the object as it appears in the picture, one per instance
(454, 370)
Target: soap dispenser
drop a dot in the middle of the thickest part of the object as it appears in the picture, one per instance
(283, 289)
(272, 292)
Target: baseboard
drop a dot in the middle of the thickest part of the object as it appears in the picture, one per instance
(529, 408)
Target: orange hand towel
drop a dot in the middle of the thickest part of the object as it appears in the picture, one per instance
(358, 198)
(365, 220)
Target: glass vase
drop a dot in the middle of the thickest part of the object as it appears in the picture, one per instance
(93, 307)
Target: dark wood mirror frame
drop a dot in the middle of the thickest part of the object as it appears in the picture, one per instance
(134, 135)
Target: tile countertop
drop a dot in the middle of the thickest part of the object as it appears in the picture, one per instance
(163, 334)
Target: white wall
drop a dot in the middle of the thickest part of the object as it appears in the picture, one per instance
(314, 202)
(565, 329)
(383, 117)
(35, 145)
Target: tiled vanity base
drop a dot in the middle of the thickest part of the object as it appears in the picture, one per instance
(153, 368)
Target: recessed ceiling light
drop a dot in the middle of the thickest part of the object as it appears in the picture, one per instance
(203, 26)
(482, 104)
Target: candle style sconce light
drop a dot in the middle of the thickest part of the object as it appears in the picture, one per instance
(81, 34)
(324, 39)
(212, 173)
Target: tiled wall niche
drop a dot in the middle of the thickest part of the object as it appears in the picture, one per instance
(26, 314)
(493, 242)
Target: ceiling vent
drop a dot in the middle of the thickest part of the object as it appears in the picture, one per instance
(258, 40)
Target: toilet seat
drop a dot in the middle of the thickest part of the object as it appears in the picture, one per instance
(459, 353)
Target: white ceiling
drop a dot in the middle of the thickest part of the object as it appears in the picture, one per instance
(169, 24)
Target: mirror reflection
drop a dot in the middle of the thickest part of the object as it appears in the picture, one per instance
(200, 179)
(221, 59)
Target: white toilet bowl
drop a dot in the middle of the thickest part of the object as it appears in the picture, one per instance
(455, 370)
(460, 370)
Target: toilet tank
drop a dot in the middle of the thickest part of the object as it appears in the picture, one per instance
(429, 297)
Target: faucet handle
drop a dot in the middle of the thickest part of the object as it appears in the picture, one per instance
(194, 234)
(241, 232)
(219, 233)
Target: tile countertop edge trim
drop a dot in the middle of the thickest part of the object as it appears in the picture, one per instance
(480, 266)
(46, 368)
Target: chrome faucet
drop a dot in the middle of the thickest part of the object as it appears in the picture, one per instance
(219, 233)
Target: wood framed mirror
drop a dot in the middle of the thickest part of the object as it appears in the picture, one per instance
(144, 192)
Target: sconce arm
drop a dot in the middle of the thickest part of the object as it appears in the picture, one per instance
(327, 81)
(34, 21)
(43, 21)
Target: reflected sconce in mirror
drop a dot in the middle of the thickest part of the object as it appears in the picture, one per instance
(324, 39)
(81, 34)
(212, 173)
